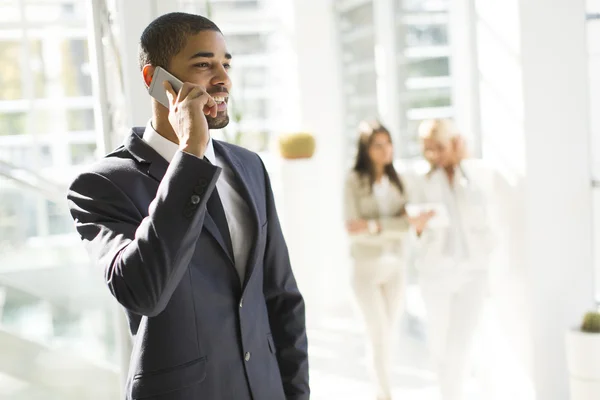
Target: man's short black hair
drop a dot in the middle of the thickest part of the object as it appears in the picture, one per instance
(166, 36)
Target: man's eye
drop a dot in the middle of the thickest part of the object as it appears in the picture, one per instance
(227, 66)
(202, 65)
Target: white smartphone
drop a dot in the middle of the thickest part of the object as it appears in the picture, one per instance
(157, 90)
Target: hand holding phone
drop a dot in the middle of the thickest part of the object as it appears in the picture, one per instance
(188, 107)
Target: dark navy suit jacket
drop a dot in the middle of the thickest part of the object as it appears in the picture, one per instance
(198, 333)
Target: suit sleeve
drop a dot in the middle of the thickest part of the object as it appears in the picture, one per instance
(143, 259)
(286, 308)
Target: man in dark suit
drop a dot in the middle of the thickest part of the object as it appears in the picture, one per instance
(186, 232)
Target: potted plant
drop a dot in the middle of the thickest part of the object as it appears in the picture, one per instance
(298, 145)
(583, 358)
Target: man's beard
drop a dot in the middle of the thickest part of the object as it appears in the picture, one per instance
(218, 122)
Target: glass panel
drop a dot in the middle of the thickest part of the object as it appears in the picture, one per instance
(251, 77)
(59, 220)
(363, 87)
(427, 98)
(358, 17)
(356, 31)
(423, 5)
(10, 71)
(65, 75)
(218, 7)
(83, 153)
(27, 155)
(45, 158)
(360, 50)
(428, 67)
(54, 308)
(251, 43)
(80, 120)
(34, 309)
(252, 109)
(9, 11)
(44, 122)
(76, 73)
(18, 215)
(426, 35)
(55, 11)
(14, 123)
(225, 6)
(48, 121)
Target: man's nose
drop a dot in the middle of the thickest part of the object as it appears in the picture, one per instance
(221, 78)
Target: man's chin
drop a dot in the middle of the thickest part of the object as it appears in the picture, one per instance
(218, 122)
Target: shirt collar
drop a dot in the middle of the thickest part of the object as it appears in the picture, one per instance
(166, 148)
(210, 152)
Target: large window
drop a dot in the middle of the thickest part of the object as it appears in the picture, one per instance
(419, 33)
(356, 33)
(424, 67)
(52, 304)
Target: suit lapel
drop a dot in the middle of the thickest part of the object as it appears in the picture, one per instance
(156, 166)
(212, 228)
(242, 176)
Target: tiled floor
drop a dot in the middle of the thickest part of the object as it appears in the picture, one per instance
(338, 368)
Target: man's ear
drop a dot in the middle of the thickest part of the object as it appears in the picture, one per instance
(147, 73)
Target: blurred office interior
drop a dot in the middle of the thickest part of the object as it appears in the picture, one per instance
(521, 78)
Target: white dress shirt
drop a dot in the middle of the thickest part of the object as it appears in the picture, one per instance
(234, 205)
(382, 191)
(383, 194)
(456, 244)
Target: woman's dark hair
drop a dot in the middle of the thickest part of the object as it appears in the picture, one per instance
(363, 165)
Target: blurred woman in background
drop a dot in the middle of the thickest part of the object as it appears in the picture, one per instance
(454, 250)
(377, 227)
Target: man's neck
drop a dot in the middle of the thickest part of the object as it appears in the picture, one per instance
(161, 124)
(164, 129)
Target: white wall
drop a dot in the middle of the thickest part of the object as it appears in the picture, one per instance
(535, 122)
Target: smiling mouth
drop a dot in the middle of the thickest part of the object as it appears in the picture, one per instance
(220, 99)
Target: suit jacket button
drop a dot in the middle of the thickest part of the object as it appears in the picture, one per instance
(241, 302)
(195, 199)
(247, 356)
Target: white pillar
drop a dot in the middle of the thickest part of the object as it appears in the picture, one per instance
(555, 81)
(95, 11)
(593, 27)
(132, 17)
(464, 71)
(535, 117)
(320, 105)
